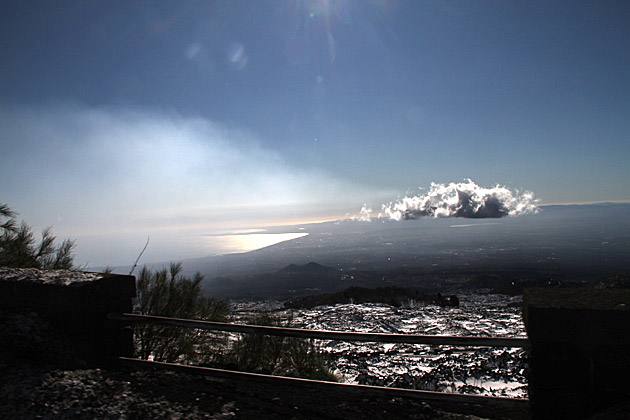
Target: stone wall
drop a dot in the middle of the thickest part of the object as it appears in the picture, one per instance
(579, 361)
(73, 307)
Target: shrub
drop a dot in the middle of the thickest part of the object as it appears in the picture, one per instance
(168, 293)
(18, 248)
(285, 356)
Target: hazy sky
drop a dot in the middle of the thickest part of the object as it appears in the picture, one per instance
(137, 115)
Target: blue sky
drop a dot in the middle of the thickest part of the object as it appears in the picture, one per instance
(137, 115)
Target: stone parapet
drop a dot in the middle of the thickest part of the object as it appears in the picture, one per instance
(75, 305)
(580, 339)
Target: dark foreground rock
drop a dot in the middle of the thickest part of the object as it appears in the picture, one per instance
(29, 393)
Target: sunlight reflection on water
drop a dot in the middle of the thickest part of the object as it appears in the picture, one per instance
(249, 242)
(99, 251)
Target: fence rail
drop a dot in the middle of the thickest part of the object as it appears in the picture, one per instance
(327, 335)
(517, 403)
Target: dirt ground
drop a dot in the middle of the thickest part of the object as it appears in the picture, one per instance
(27, 393)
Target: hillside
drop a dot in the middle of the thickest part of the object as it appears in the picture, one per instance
(394, 296)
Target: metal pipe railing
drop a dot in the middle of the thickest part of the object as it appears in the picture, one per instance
(327, 335)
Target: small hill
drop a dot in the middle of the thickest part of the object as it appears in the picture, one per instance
(290, 281)
(310, 268)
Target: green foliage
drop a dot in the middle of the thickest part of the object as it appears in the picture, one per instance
(18, 247)
(168, 293)
(286, 356)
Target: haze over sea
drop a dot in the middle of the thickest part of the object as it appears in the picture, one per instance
(455, 200)
(585, 240)
(170, 246)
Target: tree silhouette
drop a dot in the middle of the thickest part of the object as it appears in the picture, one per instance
(19, 249)
(168, 293)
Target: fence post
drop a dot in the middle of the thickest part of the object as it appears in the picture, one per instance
(580, 341)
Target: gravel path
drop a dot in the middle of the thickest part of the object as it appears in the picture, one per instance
(37, 393)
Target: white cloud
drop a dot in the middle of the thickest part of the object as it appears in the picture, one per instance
(364, 214)
(464, 199)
